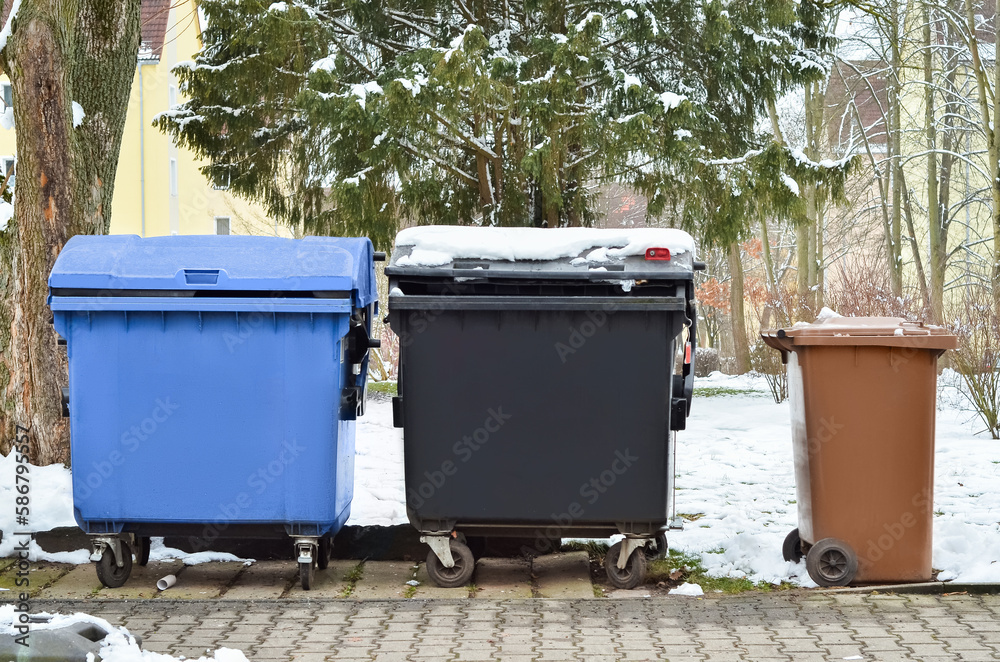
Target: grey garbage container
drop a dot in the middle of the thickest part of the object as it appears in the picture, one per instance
(537, 391)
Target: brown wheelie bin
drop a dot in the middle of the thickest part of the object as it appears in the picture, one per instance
(862, 392)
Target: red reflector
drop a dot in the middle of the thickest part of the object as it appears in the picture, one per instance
(657, 253)
(687, 354)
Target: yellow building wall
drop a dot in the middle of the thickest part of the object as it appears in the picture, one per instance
(974, 221)
(143, 202)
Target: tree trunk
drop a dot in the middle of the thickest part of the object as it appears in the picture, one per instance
(895, 168)
(933, 201)
(60, 51)
(741, 344)
(994, 150)
(949, 144)
(803, 235)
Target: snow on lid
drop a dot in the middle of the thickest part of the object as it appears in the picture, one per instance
(437, 245)
(827, 314)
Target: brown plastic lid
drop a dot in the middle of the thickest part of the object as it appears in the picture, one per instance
(832, 330)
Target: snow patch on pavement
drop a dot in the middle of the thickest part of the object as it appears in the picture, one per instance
(686, 588)
(118, 646)
(160, 552)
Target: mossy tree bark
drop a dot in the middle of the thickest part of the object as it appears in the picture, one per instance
(60, 51)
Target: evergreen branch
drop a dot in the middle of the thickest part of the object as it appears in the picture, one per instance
(469, 179)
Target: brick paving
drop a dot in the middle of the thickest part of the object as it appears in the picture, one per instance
(802, 626)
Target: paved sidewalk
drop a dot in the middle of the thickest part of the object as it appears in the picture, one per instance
(799, 626)
(562, 575)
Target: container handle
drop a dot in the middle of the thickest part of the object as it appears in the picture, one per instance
(201, 276)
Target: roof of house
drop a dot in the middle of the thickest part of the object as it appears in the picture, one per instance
(864, 83)
(152, 23)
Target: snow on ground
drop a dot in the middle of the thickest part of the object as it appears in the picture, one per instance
(117, 646)
(378, 469)
(734, 467)
(51, 506)
(160, 552)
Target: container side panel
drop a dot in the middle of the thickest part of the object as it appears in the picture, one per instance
(212, 417)
(871, 454)
(800, 446)
(544, 417)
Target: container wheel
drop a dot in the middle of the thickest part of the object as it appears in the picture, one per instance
(791, 549)
(107, 568)
(459, 574)
(306, 573)
(832, 562)
(634, 572)
(658, 550)
(325, 549)
(141, 550)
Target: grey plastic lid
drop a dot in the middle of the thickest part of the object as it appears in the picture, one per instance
(484, 253)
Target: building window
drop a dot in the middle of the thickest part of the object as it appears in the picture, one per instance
(8, 95)
(221, 225)
(173, 177)
(8, 164)
(224, 184)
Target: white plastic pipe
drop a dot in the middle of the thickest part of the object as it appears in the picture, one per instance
(166, 582)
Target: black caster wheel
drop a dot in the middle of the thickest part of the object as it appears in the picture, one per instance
(108, 571)
(832, 562)
(141, 550)
(791, 549)
(306, 573)
(325, 549)
(634, 572)
(459, 574)
(656, 550)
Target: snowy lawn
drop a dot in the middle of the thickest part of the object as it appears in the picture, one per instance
(734, 476)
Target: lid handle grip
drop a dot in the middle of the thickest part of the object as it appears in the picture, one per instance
(201, 276)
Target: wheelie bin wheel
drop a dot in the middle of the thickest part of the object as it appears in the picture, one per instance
(141, 550)
(325, 549)
(107, 568)
(634, 572)
(791, 549)
(306, 573)
(459, 574)
(657, 550)
(832, 562)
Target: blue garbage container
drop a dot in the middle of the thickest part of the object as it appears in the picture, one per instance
(214, 383)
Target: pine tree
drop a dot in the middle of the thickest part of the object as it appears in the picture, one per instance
(344, 117)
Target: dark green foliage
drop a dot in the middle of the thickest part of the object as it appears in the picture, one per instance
(348, 116)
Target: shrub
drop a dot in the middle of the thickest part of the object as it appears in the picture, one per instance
(978, 330)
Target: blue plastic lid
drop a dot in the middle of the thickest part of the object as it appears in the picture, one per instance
(225, 263)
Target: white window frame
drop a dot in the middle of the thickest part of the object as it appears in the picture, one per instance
(223, 187)
(3, 168)
(3, 94)
(229, 224)
(173, 178)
